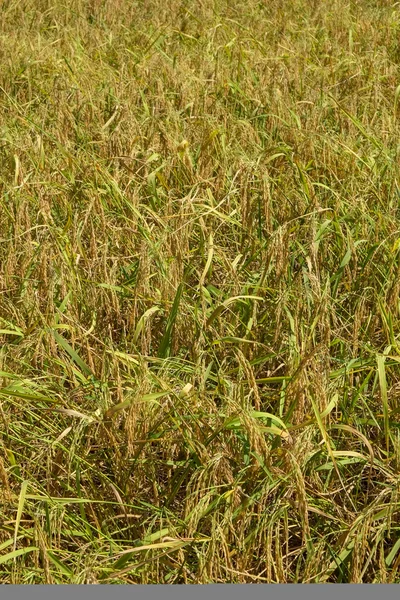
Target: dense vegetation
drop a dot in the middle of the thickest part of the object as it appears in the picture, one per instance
(199, 291)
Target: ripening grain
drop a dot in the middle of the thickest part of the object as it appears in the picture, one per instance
(199, 291)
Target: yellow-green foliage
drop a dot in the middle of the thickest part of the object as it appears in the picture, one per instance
(199, 291)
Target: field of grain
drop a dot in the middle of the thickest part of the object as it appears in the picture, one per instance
(199, 291)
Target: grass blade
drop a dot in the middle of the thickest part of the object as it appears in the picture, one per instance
(384, 397)
(21, 503)
(166, 341)
(13, 555)
(72, 353)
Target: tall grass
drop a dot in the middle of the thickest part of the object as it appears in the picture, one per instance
(199, 277)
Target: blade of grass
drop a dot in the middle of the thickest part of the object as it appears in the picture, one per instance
(72, 353)
(166, 341)
(13, 555)
(384, 397)
(21, 503)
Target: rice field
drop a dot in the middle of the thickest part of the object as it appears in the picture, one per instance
(199, 292)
